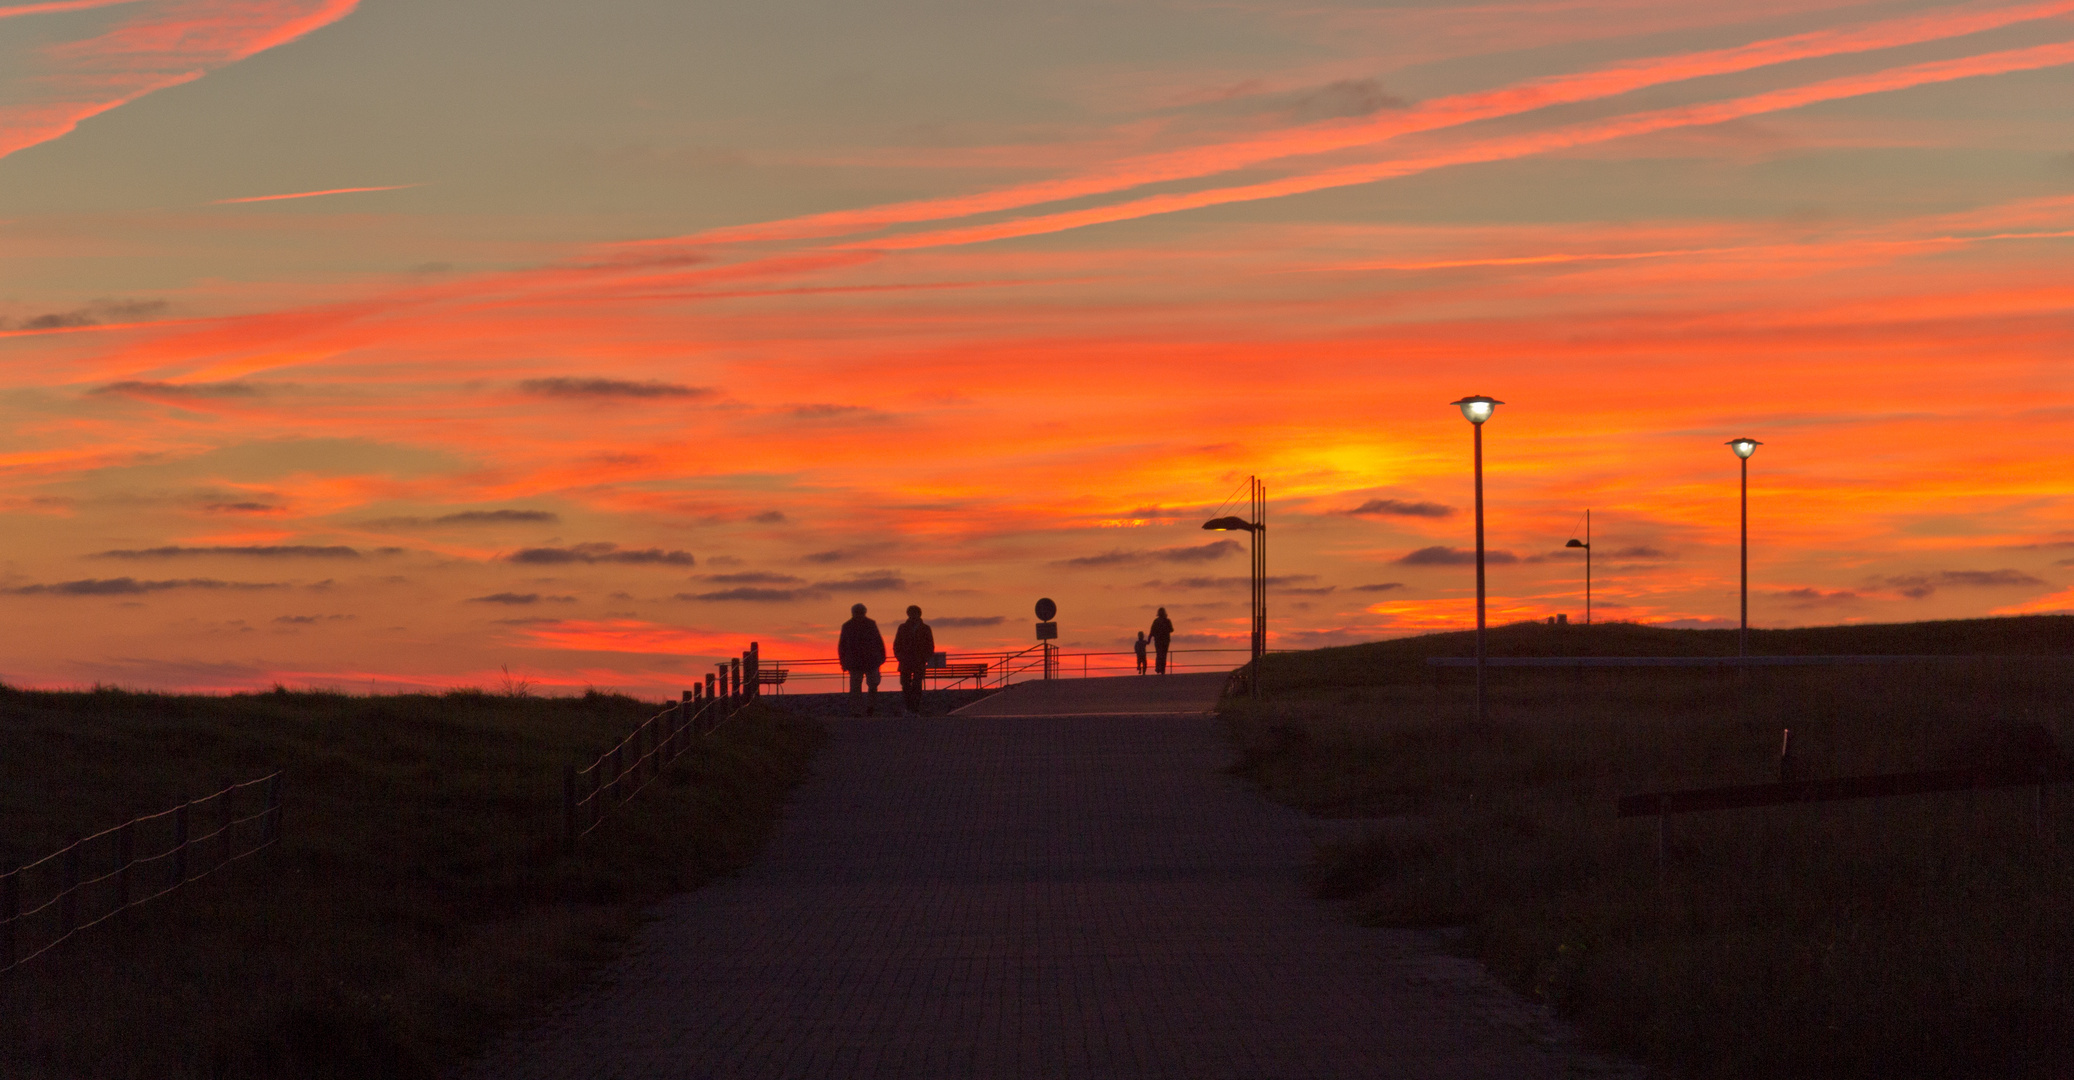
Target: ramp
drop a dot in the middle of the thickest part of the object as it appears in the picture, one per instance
(1126, 695)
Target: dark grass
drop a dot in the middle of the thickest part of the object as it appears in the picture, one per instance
(1917, 936)
(416, 903)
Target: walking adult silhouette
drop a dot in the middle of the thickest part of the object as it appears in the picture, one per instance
(913, 645)
(1162, 633)
(862, 651)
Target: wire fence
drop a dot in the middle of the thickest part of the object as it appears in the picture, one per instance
(71, 902)
(617, 775)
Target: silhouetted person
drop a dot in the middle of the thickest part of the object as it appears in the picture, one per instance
(862, 651)
(913, 647)
(1139, 648)
(1162, 633)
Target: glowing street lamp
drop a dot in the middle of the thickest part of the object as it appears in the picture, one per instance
(1476, 410)
(1743, 448)
(1586, 544)
(1258, 529)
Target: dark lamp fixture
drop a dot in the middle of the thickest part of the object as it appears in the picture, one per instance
(1577, 544)
(1231, 524)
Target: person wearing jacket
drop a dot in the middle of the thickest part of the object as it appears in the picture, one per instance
(1162, 633)
(862, 651)
(913, 647)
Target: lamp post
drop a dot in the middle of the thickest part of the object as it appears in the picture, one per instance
(1743, 448)
(1476, 410)
(1586, 544)
(1258, 530)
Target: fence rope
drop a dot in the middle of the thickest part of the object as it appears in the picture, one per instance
(269, 838)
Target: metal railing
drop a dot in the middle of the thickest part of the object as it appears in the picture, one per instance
(1005, 668)
(75, 903)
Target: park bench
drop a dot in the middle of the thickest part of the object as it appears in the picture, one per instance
(771, 675)
(957, 673)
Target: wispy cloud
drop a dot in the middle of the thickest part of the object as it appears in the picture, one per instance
(1216, 549)
(1921, 586)
(257, 551)
(601, 552)
(958, 622)
(125, 586)
(1441, 555)
(519, 598)
(562, 387)
(163, 46)
(1401, 508)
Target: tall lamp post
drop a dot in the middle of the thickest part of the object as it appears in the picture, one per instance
(1743, 448)
(1476, 410)
(1586, 544)
(1258, 528)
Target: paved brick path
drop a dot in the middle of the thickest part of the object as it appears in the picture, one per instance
(1065, 897)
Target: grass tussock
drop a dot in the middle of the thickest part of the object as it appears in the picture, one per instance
(1919, 936)
(416, 902)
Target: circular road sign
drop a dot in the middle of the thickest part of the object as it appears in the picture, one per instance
(1046, 609)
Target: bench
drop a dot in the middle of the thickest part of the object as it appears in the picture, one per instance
(770, 675)
(957, 673)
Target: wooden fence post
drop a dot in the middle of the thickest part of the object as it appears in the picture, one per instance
(125, 854)
(753, 669)
(687, 714)
(68, 905)
(569, 810)
(180, 842)
(10, 910)
(734, 682)
(711, 704)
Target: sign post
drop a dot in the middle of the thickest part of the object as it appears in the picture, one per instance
(1048, 632)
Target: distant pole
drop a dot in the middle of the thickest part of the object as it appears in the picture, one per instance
(1259, 583)
(1587, 568)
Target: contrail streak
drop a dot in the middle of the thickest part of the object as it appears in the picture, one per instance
(1504, 148)
(312, 194)
(1433, 115)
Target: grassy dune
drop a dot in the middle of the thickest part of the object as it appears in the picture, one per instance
(1928, 935)
(416, 902)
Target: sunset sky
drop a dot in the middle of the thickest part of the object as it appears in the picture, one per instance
(384, 345)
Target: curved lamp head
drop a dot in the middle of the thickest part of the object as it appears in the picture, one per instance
(1478, 409)
(1230, 524)
(1577, 543)
(1744, 447)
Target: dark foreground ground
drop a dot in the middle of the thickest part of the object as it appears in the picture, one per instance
(1919, 936)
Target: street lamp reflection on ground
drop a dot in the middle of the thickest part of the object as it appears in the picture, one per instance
(1476, 410)
(1743, 448)
(1586, 544)
(1258, 529)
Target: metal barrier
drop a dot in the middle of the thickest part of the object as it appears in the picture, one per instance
(1006, 668)
(28, 934)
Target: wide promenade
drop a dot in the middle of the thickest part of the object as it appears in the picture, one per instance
(1079, 895)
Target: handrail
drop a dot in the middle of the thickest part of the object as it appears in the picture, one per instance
(1004, 665)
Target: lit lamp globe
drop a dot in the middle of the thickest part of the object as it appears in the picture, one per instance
(1743, 447)
(1477, 409)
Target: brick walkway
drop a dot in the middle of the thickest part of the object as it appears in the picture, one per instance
(1071, 896)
